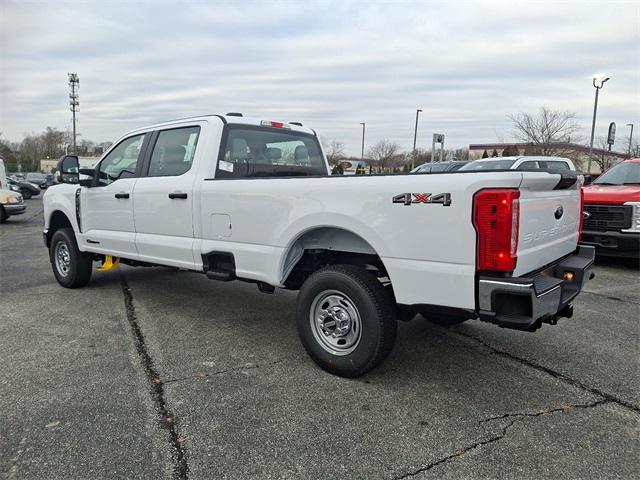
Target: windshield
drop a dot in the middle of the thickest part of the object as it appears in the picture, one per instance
(621, 174)
(425, 167)
(35, 176)
(488, 165)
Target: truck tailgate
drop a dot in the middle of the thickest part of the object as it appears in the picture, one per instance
(549, 220)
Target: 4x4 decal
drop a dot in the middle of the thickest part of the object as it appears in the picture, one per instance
(408, 198)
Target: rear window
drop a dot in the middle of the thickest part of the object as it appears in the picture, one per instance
(268, 152)
(488, 165)
(554, 165)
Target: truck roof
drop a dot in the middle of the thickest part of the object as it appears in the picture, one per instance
(230, 119)
(518, 157)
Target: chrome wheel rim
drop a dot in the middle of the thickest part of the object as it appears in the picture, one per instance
(335, 322)
(63, 259)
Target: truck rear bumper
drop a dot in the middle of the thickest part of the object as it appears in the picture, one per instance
(613, 244)
(523, 303)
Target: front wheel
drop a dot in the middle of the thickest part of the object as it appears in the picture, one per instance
(71, 267)
(27, 195)
(346, 320)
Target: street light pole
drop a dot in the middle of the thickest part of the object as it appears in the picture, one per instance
(630, 136)
(362, 154)
(415, 137)
(593, 124)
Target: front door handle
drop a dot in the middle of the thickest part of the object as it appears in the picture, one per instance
(121, 195)
(177, 195)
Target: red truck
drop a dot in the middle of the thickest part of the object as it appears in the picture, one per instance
(612, 211)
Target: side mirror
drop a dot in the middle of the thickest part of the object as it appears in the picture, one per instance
(588, 179)
(69, 168)
(86, 177)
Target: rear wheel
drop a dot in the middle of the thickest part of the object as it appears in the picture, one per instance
(3, 215)
(71, 267)
(27, 194)
(346, 320)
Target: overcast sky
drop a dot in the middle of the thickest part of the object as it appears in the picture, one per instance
(330, 65)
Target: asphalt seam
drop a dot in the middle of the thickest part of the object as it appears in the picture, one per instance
(516, 417)
(560, 376)
(167, 420)
(226, 370)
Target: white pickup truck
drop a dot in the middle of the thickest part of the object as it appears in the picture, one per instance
(247, 199)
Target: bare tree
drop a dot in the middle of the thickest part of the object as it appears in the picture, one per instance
(384, 154)
(635, 146)
(333, 149)
(545, 128)
(603, 160)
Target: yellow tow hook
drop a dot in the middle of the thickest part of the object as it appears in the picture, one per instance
(110, 263)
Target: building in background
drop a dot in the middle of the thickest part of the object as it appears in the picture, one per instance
(49, 165)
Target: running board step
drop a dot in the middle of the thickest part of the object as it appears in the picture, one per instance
(222, 276)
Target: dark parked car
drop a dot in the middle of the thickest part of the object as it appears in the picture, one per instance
(27, 189)
(37, 178)
(450, 166)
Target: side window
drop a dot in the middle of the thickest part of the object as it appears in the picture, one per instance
(121, 162)
(553, 165)
(528, 166)
(173, 152)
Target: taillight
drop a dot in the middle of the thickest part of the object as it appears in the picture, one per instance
(496, 218)
(581, 214)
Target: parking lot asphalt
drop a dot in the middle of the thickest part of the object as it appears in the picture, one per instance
(153, 373)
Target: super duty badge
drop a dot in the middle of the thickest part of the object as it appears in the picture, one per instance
(408, 198)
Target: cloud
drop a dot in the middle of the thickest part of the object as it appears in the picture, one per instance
(330, 65)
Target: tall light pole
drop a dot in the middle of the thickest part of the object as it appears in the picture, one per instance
(362, 154)
(415, 136)
(630, 136)
(595, 110)
(74, 83)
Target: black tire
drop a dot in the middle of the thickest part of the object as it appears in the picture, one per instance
(374, 311)
(3, 215)
(444, 319)
(79, 265)
(27, 195)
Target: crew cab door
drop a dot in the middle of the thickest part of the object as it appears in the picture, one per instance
(163, 198)
(107, 207)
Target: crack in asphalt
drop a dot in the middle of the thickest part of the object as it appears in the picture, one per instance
(611, 297)
(180, 466)
(516, 417)
(226, 370)
(565, 408)
(549, 371)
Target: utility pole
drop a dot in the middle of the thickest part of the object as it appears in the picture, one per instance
(415, 136)
(595, 111)
(630, 136)
(74, 83)
(362, 154)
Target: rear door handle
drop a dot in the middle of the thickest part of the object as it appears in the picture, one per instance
(121, 195)
(177, 195)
